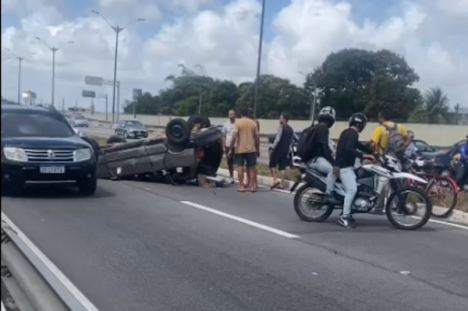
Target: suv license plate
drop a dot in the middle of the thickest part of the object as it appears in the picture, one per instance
(52, 169)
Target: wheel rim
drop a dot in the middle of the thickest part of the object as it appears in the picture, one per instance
(416, 206)
(309, 203)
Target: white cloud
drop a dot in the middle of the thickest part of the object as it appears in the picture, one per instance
(430, 34)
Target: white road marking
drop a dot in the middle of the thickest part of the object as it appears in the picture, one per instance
(3, 306)
(87, 305)
(241, 220)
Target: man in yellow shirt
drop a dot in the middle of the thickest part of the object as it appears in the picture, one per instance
(388, 138)
(381, 136)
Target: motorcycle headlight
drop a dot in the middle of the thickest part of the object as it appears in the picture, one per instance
(82, 155)
(15, 154)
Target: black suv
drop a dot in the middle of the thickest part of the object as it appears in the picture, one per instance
(40, 146)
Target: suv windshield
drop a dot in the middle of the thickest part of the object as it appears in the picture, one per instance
(134, 123)
(33, 124)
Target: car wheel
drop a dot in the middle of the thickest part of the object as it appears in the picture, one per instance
(87, 186)
(177, 131)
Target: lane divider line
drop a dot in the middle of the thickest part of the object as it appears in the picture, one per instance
(3, 306)
(79, 296)
(241, 220)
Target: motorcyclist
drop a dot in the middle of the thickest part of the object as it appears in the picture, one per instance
(321, 155)
(463, 165)
(347, 151)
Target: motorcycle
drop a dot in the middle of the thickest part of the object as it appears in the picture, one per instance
(369, 176)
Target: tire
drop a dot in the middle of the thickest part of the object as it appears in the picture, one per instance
(177, 131)
(454, 190)
(424, 218)
(87, 187)
(299, 212)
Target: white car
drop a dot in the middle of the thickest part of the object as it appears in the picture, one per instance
(79, 121)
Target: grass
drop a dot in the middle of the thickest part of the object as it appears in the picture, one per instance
(291, 175)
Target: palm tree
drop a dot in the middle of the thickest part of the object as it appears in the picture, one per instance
(435, 108)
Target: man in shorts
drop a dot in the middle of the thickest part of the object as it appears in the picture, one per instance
(246, 142)
(280, 151)
(228, 129)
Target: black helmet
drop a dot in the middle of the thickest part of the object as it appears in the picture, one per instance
(327, 114)
(358, 120)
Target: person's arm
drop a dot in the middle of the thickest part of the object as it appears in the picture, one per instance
(279, 133)
(364, 148)
(351, 143)
(463, 153)
(405, 135)
(375, 139)
(257, 140)
(235, 133)
(323, 139)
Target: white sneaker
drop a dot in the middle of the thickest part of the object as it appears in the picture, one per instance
(229, 180)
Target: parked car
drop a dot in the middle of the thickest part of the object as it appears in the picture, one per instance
(178, 158)
(39, 145)
(425, 150)
(78, 120)
(131, 129)
(444, 161)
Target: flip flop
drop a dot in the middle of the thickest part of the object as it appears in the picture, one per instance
(241, 190)
(275, 185)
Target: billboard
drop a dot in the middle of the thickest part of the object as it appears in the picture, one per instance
(89, 94)
(92, 80)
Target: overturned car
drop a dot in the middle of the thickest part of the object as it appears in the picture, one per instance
(191, 151)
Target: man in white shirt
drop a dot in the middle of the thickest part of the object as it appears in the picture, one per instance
(228, 129)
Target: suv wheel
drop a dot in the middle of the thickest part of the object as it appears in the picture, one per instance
(87, 186)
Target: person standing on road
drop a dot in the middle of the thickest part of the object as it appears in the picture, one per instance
(228, 129)
(462, 174)
(279, 151)
(389, 138)
(251, 115)
(246, 144)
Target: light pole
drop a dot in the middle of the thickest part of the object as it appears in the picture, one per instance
(20, 61)
(117, 30)
(259, 59)
(314, 100)
(53, 49)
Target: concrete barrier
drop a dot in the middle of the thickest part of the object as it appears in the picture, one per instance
(434, 134)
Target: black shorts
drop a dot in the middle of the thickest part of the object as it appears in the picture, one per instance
(229, 160)
(279, 160)
(245, 159)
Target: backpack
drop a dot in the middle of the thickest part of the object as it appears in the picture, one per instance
(305, 144)
(396, 142)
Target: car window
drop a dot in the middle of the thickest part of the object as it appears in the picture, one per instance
(422, 146)
(31, 124)
(134, 123)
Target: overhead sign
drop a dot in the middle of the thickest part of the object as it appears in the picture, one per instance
(29, 94)
(137, 93)
(91, 80)
(89, 94)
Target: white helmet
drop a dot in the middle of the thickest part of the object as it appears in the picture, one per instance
(327, 114)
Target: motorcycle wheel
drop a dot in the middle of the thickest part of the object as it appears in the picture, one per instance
(302, 215)
(404, 191)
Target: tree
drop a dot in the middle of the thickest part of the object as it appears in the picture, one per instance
(435, 108)
(358, 80)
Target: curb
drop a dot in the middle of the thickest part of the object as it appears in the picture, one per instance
(457, 217)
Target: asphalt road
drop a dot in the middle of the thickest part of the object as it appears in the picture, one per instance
(106, 133)
(137, 246)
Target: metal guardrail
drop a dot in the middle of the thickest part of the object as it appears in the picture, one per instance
(32, 280)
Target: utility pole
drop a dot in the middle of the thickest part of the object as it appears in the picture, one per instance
(457, 113)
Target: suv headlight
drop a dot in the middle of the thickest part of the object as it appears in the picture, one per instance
(15, 154)
(82, 155)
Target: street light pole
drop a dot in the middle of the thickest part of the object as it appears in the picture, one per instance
(117, 30)
(53, 49)
(20, 60)
(259, 59)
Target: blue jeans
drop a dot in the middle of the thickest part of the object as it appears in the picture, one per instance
(324, 167)
(348, 179)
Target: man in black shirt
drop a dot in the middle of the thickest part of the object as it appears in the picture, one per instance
(279, 151)
(321, 153)
(347, 151)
